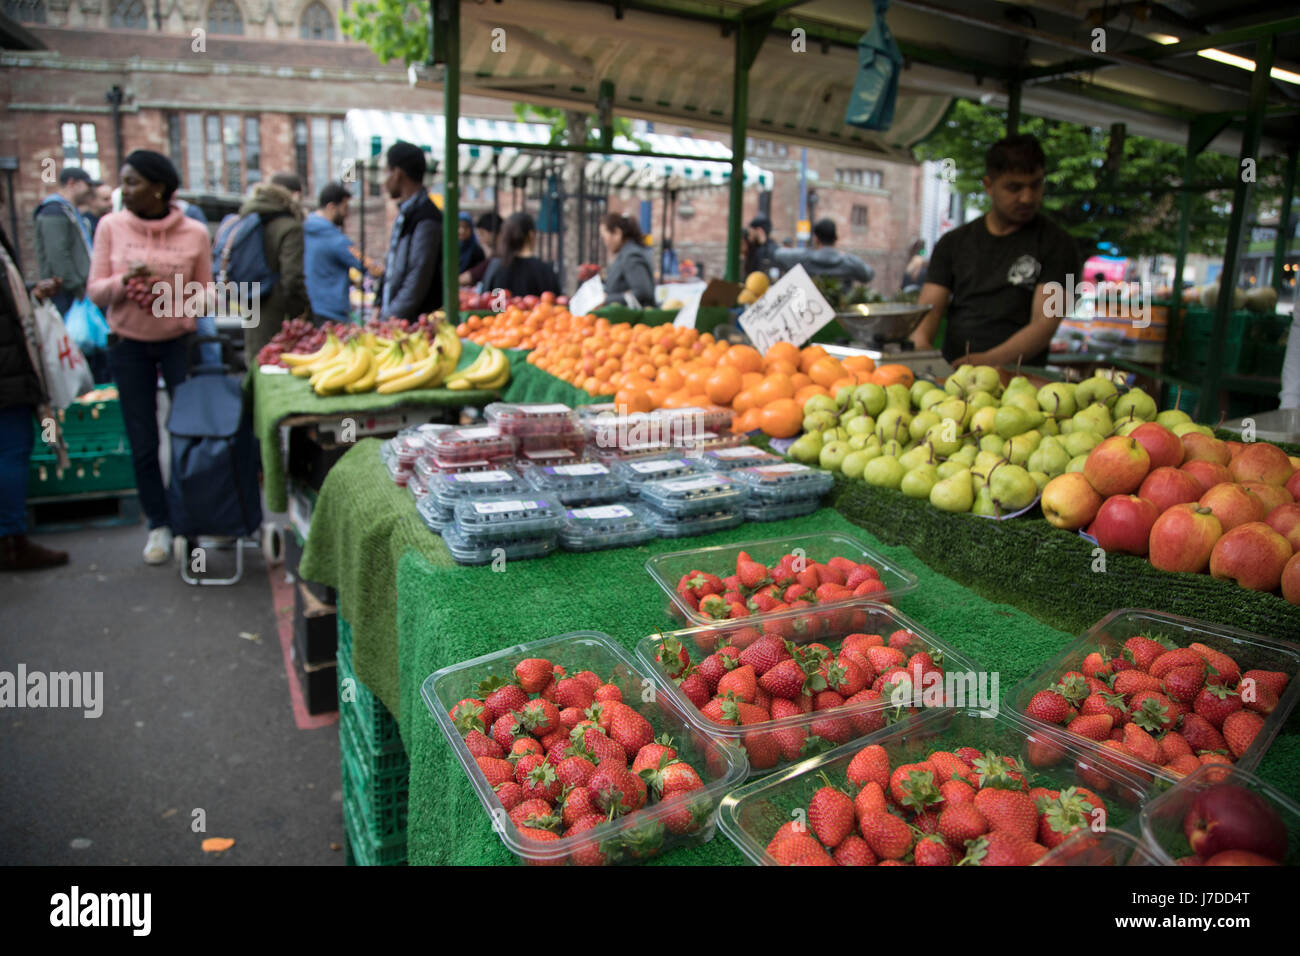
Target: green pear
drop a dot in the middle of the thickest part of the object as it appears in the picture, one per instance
(1128, 426)
(1057, 399)
(1080, 442)
(918, 390)
(1011, 420)
(820, 403)
(1076, 463)
(1050, 426)
(833, 454)
(897, 396)
(951, 467)
(1095, 418)
(851, 413)
(893, 423)
(932, 398)
(1096, 390)
(844, 395)
(918, 481)
(872, 397)
(1018, 448)
(957, 409)
(981, 399)
(1050, 458)
(915, 457)
(1012, 487)
(1020, 381)
(945, 438)
(921, 422)
(836, 434)
(1172, 417)
(966, 455)
(1022, 398)
(859, 442)
(954, 493)
(815, 421)
(986, 378)
(984, 503)
(807, 448)
(1136, 402)
(954, 387)
(1041, 478)
(1188, 427)
(883, 471)
(855, 462)
(1066, 426)
(891, 449)
(963, 376)
(863, 424)
(984, 420)
(993, 443)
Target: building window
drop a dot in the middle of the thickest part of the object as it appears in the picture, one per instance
(858, 218)
(80, 147)
(174, 150)
(217, 157)
(300, 154)
(25, 11)
(871, 178)
(129, 15)
(318, 151)
(317, 22)
(224, 17)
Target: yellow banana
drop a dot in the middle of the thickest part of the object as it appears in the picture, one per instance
(419, 377)
(337, 378)
(367, 381)
(496, 362)
(330, 368)
(328, 350)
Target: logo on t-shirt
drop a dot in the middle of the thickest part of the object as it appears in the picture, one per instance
(1024, 272)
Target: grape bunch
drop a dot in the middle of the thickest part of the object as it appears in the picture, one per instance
(139, 289)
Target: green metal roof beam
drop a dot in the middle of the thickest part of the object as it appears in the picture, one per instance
(769, 8)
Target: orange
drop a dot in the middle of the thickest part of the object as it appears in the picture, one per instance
(744, 357)
(807, 392)
(697, 378)
(723, 385)
(893, 375)
(840, 383)
(670, 378)
(782, 418)
(858, 363)
(750, 379)
(781, 366)
(698, 401)
(636, 399)
(744, 401)
(810, 355)
(747, 422)
(825, 370)
(772, 388)
(783, 352)
(799, 380)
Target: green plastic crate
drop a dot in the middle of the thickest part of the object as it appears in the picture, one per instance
(377, 726)
(361, 850)
(1264, 347)
(382, 800)
(86, 472)
(90, 427)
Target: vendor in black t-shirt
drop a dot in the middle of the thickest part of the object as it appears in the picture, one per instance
(993, 276)
(515, 268)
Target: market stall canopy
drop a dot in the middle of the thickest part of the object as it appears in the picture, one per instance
(370, 132)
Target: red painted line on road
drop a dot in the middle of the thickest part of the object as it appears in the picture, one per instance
(282, 602)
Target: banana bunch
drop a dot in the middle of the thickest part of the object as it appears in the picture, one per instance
(490, 370)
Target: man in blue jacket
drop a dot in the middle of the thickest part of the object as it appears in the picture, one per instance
(413, 269)
(328, 255)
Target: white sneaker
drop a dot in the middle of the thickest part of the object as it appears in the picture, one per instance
(158, 549)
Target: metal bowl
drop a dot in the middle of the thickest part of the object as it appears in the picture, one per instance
(881, 321)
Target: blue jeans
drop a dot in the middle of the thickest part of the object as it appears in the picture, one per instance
(135, 368)
(15, 454)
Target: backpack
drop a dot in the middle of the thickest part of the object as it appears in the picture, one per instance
(239, 252)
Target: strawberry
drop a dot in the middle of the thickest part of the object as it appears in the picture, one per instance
(1275, 681)
(1134, 681)
(870, 797)
(912, 785)
(504, 700)
(695, 585)
(798, 592)
(470, 714)
(570, 717)
(968, 755)
(999, 848)
(837, 730)
(672, 777)
(1097, 664)
(533, 813)
(510, 794)
(1223, 669)
(533, 674)
(1218, 758)
(713, 711)
(902, 639)
(1262, 700)
(587, 852)
(1140, 744)
(885, 658)
(1142, 651)
(1110, 704)
(590, 678)
(578, 803)
(628, 728)
(572, 692)
(826, 574)
(994, 771)
(766, 748)
(689, 815)
(742, 714)
(1048, 706)
(1184, 683)
(607, 692)
(1008, 810)
(481, 745)
(948, 765)
(1043, 751)
(601, 749)
(1151, 711)
(525, 762)
(539, 717)
(496, 770)
(1215, 702)
(1201, 735)
(1180, 657)
(1184, 764)
(1174, 744)
(858, 576)
(548, 692)
(869, 763)
(505, 729)
(797, 850)
(540, 836)
(785, 680)
(956, 791)
(1096, 727)
(854, 851)
(752, 575)
(558, 738)
(830, 592)
(808, 578)
(764, 654)
(574, 771)
(737, 611)
(714, 606)
(1239, 730)
(714, 667)
(830, 814)
(844, 676)
(888, 836)
(959, 822)
(617, 790)
(739, 683)
(869, 587)
(541, 782)
(932, 851)
(871, 716)
(649, 756)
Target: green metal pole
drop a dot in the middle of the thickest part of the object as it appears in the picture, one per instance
(1013, 106)
(1284, 220)
(1180, 258)
(451, 161)
(1207, 407)
(739, 120)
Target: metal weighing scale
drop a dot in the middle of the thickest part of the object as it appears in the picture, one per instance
(880, 330)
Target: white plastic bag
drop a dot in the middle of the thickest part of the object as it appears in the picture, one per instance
(65, 371)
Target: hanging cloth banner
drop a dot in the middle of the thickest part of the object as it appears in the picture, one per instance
(871, 105)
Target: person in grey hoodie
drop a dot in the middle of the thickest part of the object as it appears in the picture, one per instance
(63, 238)
(823, 259)
(630, 271)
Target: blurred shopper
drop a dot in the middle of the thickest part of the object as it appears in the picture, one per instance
(150, 238)
(486, 229)
(413, 270)
(515, 268)
(63, 238)
(630, 271)
(328, 255)
(22, 402)
(761, 254)
(282, 239)
(471, 253)
(823, 259)
(97, 204)
(914, 270)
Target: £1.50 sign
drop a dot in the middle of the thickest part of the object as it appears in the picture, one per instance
(792, 310)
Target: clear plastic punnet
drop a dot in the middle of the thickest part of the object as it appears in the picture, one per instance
(707, 441)
(758, 510)
(638, 471)
(509, 518)
(428, 467)
(583, 483)
(574, 441)
(415, 485)
(470, 443)
(397, 471)
(786, 482)
(668, 526)
(597, 527)
(469, 551)
(633, 451)
(532, 418)
(433, 514)
(694, 420)
(450, 489)
(694, 494)
(550, 456)
(740, 456)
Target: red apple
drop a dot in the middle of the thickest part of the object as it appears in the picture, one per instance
(1251, 554)
(1183, 538)
(1285, 520)
(1291, 579)
(1233, 505)
(1239, 858)
(1270, 496)
(1202, 447)
(1164, 447)
(1234, 448)
(1261, 461)
(1227, 816)
(1069, 501)
(1207, 473)
(1293, 485)
(1117, 466)
(1166, 487)
(1123, 523)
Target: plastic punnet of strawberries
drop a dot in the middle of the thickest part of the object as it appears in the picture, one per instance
(1175, 707)
(793, 582)
(564, 754)
(964, 807)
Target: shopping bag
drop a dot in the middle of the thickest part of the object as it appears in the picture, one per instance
(85, 323)
(65, 371)
(871, 105)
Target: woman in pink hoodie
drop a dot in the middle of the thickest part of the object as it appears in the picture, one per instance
(152, 240)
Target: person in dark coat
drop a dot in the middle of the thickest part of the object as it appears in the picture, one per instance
(413, 270)
(487, 228)
(761, 255)
(630, 271)
(515, 268)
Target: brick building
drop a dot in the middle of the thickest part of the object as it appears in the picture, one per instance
(234, 91)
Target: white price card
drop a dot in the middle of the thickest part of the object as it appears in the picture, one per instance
(579, 470)
(500, 507)
(742, 451)
(590, 295)
(654, 467)
(478, 477)
(789, 468)
(688, 293)
(792, 310)
(552, 409)
(603, 513)
(695, 484)
(486, 431)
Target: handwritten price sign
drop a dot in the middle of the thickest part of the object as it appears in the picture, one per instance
(792, 310)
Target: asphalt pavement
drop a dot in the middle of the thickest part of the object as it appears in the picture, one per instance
(197, 737)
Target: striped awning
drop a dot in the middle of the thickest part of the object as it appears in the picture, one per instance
(370, 132)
